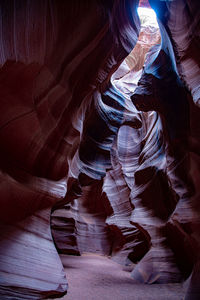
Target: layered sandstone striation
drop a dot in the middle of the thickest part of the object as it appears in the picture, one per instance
(99, 138)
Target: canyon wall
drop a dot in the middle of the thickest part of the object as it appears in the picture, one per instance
(93, 143)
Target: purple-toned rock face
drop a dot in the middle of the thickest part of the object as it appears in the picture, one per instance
(100, 151)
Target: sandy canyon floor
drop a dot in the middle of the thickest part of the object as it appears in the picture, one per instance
(95, 277)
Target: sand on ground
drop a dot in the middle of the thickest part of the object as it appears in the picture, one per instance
(96, 277)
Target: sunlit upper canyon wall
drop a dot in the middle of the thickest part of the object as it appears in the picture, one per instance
(99, 141)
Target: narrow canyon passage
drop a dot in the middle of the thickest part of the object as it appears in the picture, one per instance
(99, 150)
(96, 277)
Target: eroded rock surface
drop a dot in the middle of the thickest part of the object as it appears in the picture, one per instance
(112, 153)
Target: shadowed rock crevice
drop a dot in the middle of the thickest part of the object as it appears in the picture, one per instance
(99, 139)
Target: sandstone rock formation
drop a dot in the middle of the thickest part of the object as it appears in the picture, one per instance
(104, 147)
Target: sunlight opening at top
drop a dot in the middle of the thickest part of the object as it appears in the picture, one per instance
(147, 17)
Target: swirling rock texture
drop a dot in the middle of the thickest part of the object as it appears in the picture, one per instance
(122, 181)
(54, 55)
(160, 89)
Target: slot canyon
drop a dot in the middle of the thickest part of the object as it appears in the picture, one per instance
(100, 149)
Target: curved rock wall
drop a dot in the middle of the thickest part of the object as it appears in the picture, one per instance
(67, 124)
(53, 55)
